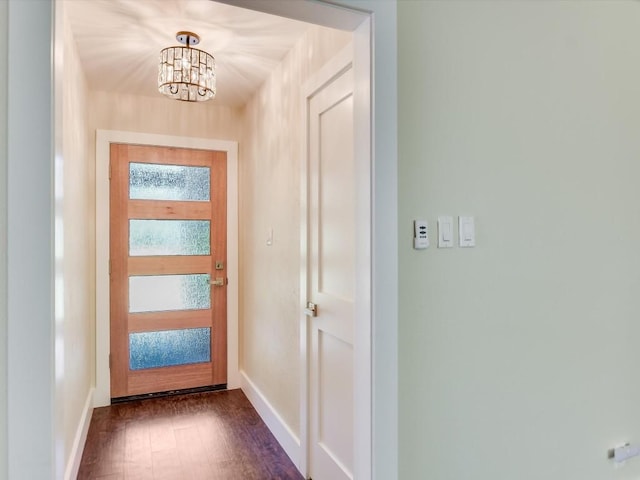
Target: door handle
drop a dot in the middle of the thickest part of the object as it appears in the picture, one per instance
(218, 282)
(311, 310)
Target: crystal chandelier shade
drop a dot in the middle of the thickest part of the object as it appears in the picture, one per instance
(186, 73)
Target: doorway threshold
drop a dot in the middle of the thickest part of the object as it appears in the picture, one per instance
(169, 393)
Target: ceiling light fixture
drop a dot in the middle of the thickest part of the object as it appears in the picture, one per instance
(186, 73)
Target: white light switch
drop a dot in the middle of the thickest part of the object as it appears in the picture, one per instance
(467, 231)
(445, 232)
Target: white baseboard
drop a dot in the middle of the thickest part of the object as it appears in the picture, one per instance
(287, 439)
(73, 465)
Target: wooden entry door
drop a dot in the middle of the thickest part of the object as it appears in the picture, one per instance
(167, 269)
(331, 278)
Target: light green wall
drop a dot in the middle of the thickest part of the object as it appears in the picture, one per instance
(518, 357)
(3, 241)
(31, 421)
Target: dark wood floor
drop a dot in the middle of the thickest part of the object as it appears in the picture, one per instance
(215, 435)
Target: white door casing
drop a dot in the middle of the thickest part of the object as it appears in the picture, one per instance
(329, 277)
(104, 138)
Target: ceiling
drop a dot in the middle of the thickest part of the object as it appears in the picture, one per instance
(119, 42)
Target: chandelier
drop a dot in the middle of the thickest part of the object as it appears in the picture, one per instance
(186, 73)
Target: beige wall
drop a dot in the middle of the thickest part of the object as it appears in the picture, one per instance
(3, 241)
(78, 252)
(270, 156)
(162, 116)
(518, 357)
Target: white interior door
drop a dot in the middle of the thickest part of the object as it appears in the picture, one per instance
(331, 278)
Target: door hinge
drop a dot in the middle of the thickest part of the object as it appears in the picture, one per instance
(109, 170)
(109, 266)
(109, 361)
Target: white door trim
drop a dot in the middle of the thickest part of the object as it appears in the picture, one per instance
(103, 139)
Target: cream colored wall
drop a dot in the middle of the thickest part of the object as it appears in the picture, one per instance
(270, 156)
(162, 116)
(518, 357)
(78, 253)
(3, 241)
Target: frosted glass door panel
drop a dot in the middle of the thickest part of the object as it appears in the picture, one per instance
(169, 348)
(169, 292)
(149, 181)
(169, 237)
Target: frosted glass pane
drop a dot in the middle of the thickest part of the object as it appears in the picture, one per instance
(148, 181)
(168, 348)
(169, 292)
(169, 237)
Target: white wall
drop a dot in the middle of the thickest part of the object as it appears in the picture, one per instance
(3, 241)
(518, 357)
(270, 199)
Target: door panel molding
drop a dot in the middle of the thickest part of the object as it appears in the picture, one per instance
(104, 138)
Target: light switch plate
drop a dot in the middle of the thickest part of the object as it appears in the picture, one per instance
(467, 231)
(445, 232)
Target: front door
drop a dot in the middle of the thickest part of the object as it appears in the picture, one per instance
(167, 269)
(331, 278)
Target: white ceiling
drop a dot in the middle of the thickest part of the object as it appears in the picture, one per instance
(119, 42)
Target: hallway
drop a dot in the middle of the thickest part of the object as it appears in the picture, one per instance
(214, 435)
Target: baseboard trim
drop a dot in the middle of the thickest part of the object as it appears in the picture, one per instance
(287, 439)
(73, 465)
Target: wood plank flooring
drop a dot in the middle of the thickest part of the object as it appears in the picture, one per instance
(214, 435)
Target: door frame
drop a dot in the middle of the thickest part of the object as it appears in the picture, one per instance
(104, 138)
(26, 154)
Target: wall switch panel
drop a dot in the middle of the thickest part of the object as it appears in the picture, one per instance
(445, 232)
(467, 231)
(420, 234)
(625, 452)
